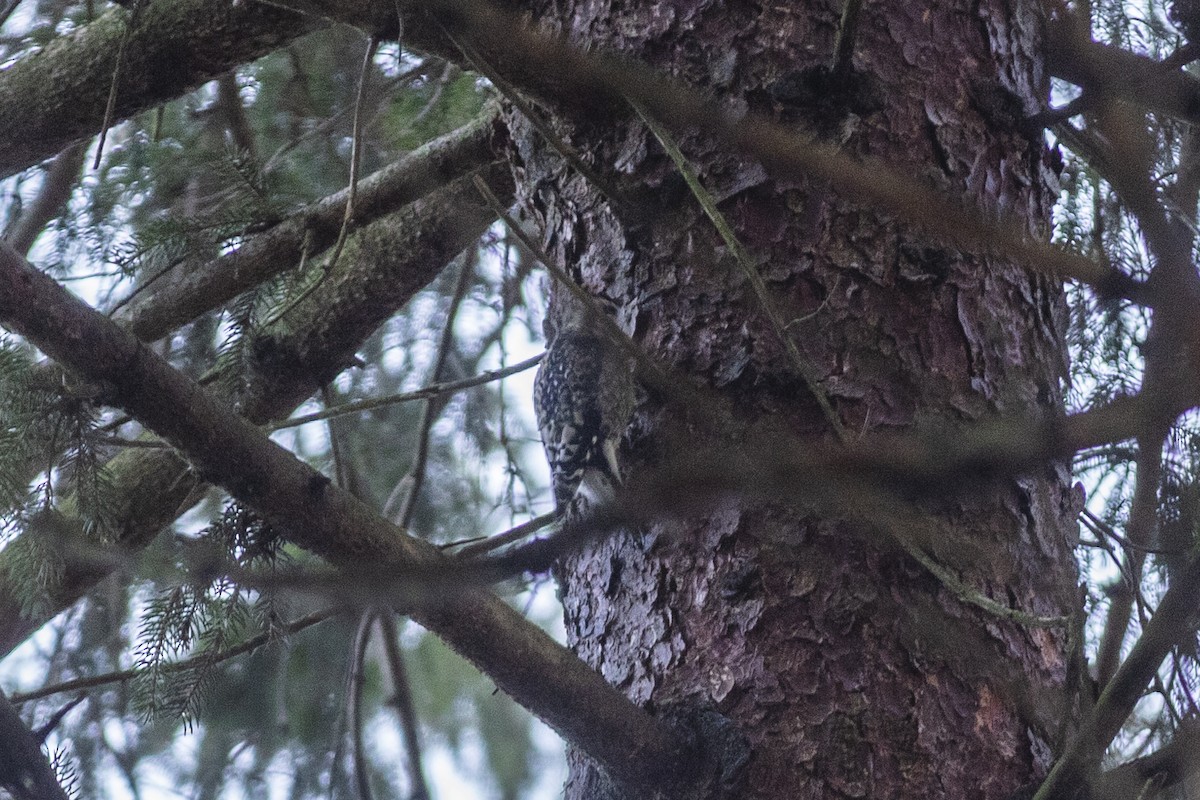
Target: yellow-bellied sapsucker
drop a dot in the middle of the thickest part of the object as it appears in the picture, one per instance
(584, 397)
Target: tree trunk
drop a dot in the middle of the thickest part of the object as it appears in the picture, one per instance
(848, 668)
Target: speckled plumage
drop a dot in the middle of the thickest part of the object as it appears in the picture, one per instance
(584, 397)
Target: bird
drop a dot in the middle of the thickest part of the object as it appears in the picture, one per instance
(584, 395)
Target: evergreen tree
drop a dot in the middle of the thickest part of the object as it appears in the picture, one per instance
(844, 557)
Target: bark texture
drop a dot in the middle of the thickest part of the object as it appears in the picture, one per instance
(849, 670)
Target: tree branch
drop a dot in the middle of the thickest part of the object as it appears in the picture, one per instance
(386, 262)
(24, 771)
(403, 701)
(57, 96)
(314, 229)
(1105, 69)
(57, 185)
(302, 504)
(1167, 628)
(220, 36)
(597, 83)
(429, 392)
(120, 676)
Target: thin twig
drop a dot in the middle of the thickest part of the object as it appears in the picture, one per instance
(416, 473)
(340, 468)
(323, 127)
(449, 72)
(142, 444)
(352, 192)
(57, 717)
(403, 701)
(356, 134)
(111, 106)
(473, 548)
(125, 675)
(358, 681)
(145, 284)
(425, 393)
(569, 154)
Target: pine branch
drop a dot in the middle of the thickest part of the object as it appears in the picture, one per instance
(540, 674)
(313, 229)
(122, 676)
(400, 254)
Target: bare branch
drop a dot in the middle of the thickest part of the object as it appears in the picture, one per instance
(416, 473)
(57, 185)
(425, 393)
(1106, 69)
(472, 549)
(358, 680)
(1143, 518)
(1167, 628)
(121, 676)
(403, 701)
(302, 504)
(548, 67)
(229, 102)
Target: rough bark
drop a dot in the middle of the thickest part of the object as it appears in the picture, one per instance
(848, 668)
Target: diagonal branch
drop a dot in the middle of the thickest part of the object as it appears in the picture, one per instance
(57, 184)
(1161, 87)
(1169, 627)
(597, 84)
(600, 81)
(402, 699)
(386, 263)
(523, 660)
(313, 229)
(24, 771)
(219, 35)
(58, 95)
